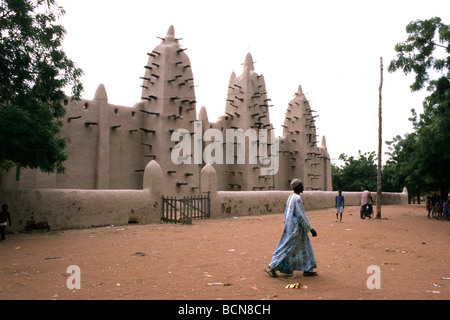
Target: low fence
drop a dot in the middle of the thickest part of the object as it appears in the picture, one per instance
(185, 210)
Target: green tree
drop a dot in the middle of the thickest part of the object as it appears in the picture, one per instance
(426, 53)
(392, 182)
(34, 71)
(356, 173)
(402, 169)
(417, 53)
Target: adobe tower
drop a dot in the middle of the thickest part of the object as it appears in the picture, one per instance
(109, 146)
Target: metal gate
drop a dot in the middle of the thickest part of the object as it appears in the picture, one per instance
(185, 210)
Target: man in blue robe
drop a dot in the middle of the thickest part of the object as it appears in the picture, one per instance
(294, 250)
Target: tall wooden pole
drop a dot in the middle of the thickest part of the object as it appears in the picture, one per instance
(380, 142)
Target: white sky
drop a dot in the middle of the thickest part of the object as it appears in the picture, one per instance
(331, 48)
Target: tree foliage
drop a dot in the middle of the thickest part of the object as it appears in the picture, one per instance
(422, 157)
(419, 160)
(402, 167)
(34, 71)
(356, 173)
(417, 54)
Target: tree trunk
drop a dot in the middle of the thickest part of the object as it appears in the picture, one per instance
(380, 141)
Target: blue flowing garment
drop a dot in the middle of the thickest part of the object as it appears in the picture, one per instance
(294, 250)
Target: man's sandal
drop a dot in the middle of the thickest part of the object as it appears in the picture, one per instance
(271, 273)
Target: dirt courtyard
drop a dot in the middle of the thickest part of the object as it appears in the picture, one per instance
(225, 259)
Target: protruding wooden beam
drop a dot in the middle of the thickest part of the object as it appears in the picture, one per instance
(73, 118)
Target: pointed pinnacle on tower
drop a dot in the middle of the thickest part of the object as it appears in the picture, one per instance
(203, 115)
(248, 64)
(232, 77)
(323, 143)
(100, 93)
(170, 36)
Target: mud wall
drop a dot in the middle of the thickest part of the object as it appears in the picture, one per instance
(57, 209)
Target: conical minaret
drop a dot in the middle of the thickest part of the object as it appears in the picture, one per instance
(298, 150)
(168, 83)
(247, 107)
(247, 103)
(168, 102)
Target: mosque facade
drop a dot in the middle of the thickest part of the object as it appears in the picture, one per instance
(109, 146)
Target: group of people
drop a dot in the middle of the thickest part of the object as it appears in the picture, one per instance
(294, 250)
(438, 206)
(366, 210)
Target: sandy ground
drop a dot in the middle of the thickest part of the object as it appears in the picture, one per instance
(225, 259)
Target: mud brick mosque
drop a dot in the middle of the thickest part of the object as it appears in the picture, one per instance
(109, 146)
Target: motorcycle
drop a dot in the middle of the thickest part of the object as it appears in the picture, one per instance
(366, 211)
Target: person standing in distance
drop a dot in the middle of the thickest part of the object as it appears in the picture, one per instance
(339, 204)
(5, 217)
